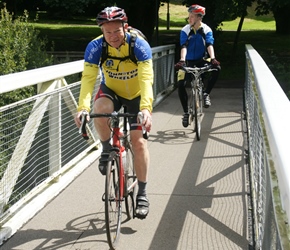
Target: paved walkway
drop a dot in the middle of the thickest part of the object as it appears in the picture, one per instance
(197, 190)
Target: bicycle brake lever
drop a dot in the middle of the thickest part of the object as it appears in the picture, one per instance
(183, 68)
(144, 131)
(82, 129)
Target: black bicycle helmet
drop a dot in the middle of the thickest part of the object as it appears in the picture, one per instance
(110, 14)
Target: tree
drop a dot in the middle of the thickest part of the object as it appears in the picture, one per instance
(141, 14)
(280, 9)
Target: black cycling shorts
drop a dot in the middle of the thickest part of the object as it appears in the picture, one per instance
(132, 106)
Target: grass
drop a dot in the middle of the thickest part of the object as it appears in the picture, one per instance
(249, 25)
(73, 35)
(257, 31)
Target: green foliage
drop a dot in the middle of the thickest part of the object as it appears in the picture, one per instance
(13, 43)
(21, 49)
(279, 65)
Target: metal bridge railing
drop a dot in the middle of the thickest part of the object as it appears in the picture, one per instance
(39, 140)
(267, 110)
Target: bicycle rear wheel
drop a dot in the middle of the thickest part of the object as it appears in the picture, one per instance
(113, 204)
(131, 184)
(197, 113)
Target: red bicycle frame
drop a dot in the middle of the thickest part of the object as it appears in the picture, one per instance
(116, 142)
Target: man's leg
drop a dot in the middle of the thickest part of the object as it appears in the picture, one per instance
(182, 94)
(103, 105)
(183, 97)
(141, 163)
(211, 82)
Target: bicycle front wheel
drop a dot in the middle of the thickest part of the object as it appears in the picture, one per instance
(197, 113)
(113, 204)
(190, 106)
(131, 184)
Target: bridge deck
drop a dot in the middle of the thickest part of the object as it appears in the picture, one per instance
(197, 190)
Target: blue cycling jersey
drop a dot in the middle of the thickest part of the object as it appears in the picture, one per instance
(197, 41)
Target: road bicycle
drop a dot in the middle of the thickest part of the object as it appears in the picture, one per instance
(195, 96)
(121, 181)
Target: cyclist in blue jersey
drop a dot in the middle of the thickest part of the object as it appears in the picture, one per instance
(124, 83)
(196, 40)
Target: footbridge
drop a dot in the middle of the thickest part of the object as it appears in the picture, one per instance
(230, 190)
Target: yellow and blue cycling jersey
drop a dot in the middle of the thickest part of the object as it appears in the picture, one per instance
(125, 78)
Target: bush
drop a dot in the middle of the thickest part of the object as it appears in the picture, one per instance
(21, 49)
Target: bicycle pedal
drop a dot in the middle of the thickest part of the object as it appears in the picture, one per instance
(120, 200)
(190, 119)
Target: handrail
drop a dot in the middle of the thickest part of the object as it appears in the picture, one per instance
(31, 77)
(267, 110)
(275, 110)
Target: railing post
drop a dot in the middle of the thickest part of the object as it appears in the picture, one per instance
(55, 131)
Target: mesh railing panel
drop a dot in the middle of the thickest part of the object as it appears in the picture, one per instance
(265, 226)
(38, 138)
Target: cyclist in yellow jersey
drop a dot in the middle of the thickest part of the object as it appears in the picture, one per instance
(124, 83)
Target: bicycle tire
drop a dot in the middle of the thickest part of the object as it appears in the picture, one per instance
(113, 204)
(201, 101)
(190, 106)
(130, 180)
(197, 114)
